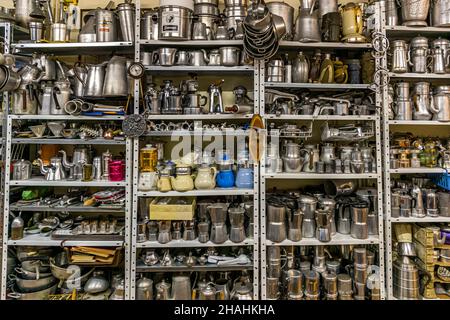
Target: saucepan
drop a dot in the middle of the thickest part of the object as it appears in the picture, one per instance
(9, 80)
(29, 275)
(38, 295)
(28, 286)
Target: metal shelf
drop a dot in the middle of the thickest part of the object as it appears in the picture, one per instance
(38, 240)
(338, 239)
(320, 118)
(324, 45)
(417, 123)
(75, 48)
(192, 244)
(191, 43)
(415, 31)
(207, 116)
(199, 69)
(320, 176)
(416, 170)
(74, 208)
(201, 133)
(419, 76)
(424, 219)
(199, 193)
(316, 86)
(66, 141)
(64, 117)
(201, 268)
(40, 181)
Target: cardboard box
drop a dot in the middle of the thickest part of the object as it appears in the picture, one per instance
(172, 210)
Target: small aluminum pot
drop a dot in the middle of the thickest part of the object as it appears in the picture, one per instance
(229, 56)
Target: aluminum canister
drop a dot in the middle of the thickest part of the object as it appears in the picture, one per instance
(105, 25)
(149, 25)
(126, 12)
(175, 23)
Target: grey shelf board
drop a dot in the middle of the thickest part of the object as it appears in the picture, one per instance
(338, 239)
(38, 240)
(192, 244)
(183, 268)
(325, 45)
(416, 170)
(67, 141)
(319, 176)
(199, 69)
(75, 48)
(206, 116)
(320, 118)
(212, 192)
(424, 219)
(74, 208)
(415, 31)
(40, 181)
(316, 86)
(211, 133)
(190, 43)
(419, 76)
(417, 123)
(63, 117)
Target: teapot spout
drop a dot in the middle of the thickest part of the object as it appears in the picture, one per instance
(66, 163)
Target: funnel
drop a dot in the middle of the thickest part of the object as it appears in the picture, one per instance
(38, 130)
(56, 128)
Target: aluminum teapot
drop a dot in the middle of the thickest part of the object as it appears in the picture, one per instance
(53, 172)
(81, 156)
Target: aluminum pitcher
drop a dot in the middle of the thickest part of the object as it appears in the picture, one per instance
(116, 82)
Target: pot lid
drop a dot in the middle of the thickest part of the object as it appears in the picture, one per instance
(183, 170)
(419, 42)
(307, 199)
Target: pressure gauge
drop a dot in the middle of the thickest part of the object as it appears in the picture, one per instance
(136, 70)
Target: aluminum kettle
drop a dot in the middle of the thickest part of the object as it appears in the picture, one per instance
(116, 81)
(93, 86)
(307, 25)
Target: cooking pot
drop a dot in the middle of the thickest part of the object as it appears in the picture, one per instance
(27, 286)
(38, 295)
(229, 56)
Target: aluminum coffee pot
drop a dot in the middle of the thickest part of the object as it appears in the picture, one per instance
(418, 209)
(422, 100)
(400, 56)
(276, 223)
(323, 225)
(53, 172)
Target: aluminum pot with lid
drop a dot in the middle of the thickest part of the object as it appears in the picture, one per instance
(419, 42)
(206, 8)
(229, 56)
(174, 23)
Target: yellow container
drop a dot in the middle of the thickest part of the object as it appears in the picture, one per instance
(172, 210)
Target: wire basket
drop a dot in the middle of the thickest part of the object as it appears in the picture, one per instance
(442, 180)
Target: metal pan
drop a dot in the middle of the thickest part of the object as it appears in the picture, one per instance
(38, 295)
(31, 275)
(28, 286)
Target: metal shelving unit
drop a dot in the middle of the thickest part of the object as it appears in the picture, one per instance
(403, 32)
(75, 48)
(63, 49)
(317, 86)
(338, 239)
(251, 71)
(67, 141)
